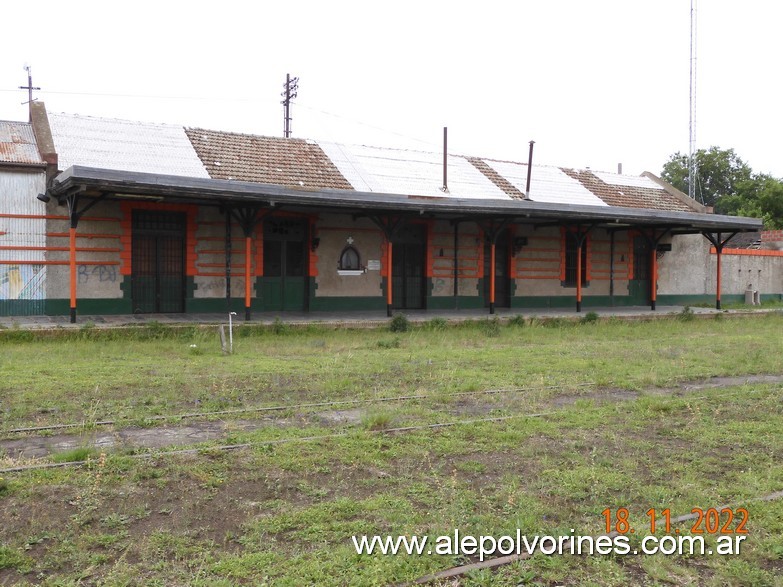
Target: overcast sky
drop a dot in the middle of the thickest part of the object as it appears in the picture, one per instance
(594, 83)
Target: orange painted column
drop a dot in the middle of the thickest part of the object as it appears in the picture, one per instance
(492, 278)
(579, 277)
(388, 278)
(72, 262)
(718, 251)
(653, 278)
(248, 286)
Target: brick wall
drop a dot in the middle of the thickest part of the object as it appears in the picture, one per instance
(772, 236)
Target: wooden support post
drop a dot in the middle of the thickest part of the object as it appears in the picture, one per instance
(248, 286)
(579, 274)
(72, 263)
(388, 278)
(492, 277)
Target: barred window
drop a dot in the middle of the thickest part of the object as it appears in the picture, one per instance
(570, 260)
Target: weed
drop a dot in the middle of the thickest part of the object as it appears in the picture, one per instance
(393, 343)
(686, 315)
(436, 324)
(156, 330)
(518, 320)
(377, 421)
(589, 318)
(279, 327)
(3, 486)
(556, 322)
(11, 558)
(491, 327)
(399, 323)
(75, 455)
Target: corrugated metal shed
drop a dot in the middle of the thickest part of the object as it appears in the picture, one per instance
(17, 144)
(124, 145)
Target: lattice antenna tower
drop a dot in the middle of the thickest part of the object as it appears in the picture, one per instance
(692, 163)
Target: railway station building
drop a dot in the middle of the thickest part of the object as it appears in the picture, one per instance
(104, 216)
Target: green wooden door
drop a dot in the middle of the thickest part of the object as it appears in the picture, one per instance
(158, 262)
(409, 257)
(639, 286)
(502, 281)
(284, 284)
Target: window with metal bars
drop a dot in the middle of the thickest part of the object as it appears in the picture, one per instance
(570, 260)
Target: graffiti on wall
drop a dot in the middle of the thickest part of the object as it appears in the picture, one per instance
(22, 282)
(100, 273)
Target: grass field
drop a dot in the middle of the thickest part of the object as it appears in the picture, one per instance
(592, 416)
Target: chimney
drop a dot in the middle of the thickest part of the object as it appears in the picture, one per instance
(43, 138)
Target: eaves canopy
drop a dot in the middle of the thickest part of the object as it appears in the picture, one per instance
(116, 184)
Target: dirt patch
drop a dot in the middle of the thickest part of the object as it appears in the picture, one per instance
(341, 417)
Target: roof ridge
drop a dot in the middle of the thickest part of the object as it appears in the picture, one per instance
(120, 120)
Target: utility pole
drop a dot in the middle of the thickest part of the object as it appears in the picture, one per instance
(692, 163)
(289, 93)
(29, 87)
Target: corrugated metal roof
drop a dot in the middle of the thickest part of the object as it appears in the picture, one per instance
(547, 184)
(172, 150)
(638, 181)
(17, 144)
(124, 145)
(393, 171)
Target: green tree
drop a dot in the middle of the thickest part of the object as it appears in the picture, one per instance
(720, 173)
(728, 183)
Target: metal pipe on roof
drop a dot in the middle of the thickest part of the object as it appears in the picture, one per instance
(529, 170)
(445, 158)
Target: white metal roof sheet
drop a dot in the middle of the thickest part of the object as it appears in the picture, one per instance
(638, 181)
(409, 172)
(124, 145)
(547, 184)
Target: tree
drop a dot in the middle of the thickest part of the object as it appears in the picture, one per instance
(728, 183)
(720, 173)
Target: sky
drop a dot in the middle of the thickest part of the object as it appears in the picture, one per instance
(595, 83)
